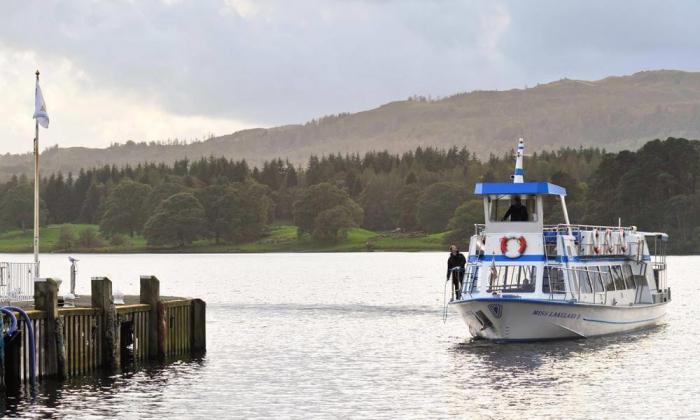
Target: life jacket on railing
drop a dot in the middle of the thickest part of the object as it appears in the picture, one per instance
(596, 241)
(623, 243)
(607, 242)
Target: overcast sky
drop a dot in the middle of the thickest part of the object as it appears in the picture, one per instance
(153, 70)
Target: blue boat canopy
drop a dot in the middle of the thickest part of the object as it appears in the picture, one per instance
(530, 188)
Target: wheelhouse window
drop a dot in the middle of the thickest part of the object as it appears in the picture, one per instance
(618, 278)
(512, 278)
(513, 208)
(553, 280)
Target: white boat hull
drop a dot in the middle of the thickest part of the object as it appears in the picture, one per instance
(504, 319)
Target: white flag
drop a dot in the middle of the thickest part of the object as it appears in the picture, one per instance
(40, 108)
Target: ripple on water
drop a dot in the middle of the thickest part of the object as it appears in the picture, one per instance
(338, 335)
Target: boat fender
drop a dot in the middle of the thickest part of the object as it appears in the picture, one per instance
(481, 245)
(596, 241)
(623, 246)
(522, 246)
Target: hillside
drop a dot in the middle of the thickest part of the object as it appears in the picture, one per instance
(615, 113)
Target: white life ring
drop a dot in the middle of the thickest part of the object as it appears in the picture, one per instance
(517, 249)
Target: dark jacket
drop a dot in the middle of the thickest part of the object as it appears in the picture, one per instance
(516, 213)
(455, 261)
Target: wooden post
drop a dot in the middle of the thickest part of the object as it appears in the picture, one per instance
(162, 330)
(62, 370)
(150, 295)
(46, 300)
(102, 299)
(199, 321)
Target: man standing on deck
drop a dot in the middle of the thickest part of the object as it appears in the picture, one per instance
(455, 265)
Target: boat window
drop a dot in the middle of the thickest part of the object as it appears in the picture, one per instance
(607, 278)
(553, 280)
(500, 208)
(513, 278)
(594, 278)
(583, 281)
(641, 281)
(579, 281)
(617, 276)
(629, 278)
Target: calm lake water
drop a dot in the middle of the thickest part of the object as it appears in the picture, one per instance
(361, 335)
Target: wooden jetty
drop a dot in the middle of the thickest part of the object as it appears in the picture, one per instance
(97, 334)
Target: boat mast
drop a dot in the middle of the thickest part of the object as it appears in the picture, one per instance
(518, 174)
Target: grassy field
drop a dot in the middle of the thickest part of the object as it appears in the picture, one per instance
(281, 238)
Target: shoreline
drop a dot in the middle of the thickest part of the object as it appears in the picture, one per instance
(279, 239)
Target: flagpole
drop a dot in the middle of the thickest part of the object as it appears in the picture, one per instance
(36, 191)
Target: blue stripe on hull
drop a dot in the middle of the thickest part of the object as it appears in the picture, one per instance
(553, 302)
(623, 322)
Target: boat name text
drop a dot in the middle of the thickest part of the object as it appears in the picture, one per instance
(555, 314)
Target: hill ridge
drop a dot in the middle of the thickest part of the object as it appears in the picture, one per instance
(615, 112)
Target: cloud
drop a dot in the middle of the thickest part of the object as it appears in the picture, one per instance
(159, 66)
(83, 112)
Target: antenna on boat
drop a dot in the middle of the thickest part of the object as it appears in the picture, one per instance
(518, 174)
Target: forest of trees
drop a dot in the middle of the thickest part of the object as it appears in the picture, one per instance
(426, 190)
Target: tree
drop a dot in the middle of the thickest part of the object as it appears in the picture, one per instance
(407, 201)
(126, 208)
(242, 211)
(66, 238)
(17, 207)
(162, 192)
(437, 204)
(332, 224)
(93, 205)
(379, 203)
(89, 238)
(209, 197)
(318, 198)
(178, 220)
(462, 223)
(119, 240)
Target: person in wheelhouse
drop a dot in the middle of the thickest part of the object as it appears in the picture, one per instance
(517, 211)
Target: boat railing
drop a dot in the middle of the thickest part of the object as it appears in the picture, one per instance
(573, 277)
(564, 228)
(469, 279)
(16, 281)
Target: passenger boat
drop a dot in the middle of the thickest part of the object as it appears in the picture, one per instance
(526, 281)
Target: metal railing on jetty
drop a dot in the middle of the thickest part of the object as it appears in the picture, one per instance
(75, 341)
(16, 281)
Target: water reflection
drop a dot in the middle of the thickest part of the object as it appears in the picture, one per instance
(336, 340)
(101, 393)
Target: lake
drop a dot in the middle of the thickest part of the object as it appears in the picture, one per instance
(361, 335)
